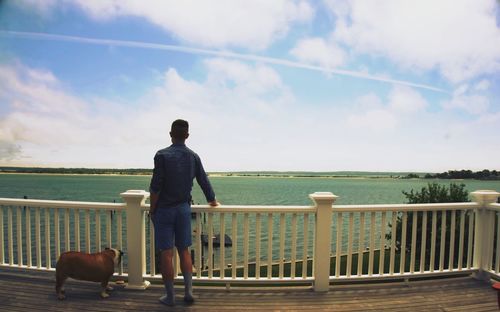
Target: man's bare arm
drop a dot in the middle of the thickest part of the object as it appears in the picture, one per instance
(153, 202)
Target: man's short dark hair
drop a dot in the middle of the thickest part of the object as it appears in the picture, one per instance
(180, 129)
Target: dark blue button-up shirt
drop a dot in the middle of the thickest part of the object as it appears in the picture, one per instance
(175, 168)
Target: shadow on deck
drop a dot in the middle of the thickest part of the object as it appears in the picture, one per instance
(34, 291)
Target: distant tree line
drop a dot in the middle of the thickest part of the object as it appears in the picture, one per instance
(466, 174)
(75, 170)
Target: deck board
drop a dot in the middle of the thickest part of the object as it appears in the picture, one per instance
(34, 291)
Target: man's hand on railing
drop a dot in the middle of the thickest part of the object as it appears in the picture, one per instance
(213, 203)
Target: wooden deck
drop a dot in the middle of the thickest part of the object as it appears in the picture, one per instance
(34, 291)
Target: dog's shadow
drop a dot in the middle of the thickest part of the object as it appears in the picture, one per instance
(76, 290)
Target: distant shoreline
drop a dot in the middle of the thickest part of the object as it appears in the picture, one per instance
(218, 174)
(449, 175)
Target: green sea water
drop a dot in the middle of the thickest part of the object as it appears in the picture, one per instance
(229, 190)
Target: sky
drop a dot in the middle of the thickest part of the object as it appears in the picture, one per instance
(282, 85)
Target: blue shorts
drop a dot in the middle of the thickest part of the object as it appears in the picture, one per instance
(173, 225)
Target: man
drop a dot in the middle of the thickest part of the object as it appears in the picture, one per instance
(175, 168)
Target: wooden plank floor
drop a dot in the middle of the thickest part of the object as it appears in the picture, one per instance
(34, 291)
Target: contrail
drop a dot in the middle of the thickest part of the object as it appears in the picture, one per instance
(228, 54)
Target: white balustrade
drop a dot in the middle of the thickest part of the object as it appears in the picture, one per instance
(270, 244)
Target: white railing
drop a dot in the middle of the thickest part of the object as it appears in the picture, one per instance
(318, 244)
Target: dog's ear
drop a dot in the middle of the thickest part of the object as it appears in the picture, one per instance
(121, 253)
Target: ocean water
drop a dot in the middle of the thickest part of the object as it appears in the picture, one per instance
(229, 190)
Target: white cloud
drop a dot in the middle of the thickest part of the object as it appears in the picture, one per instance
(482, 85)
(48, 125)
(219, 23)
(406, 100)
(372, 113)
(470, 100)
(459, 38)
(319, 52)
(243, 117)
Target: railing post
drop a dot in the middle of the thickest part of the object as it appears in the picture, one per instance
(136, 247)
(484, 232)
(322, 239)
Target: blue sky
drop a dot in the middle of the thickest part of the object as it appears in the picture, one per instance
(266, 85)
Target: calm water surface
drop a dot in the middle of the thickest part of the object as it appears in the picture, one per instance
(229, 190)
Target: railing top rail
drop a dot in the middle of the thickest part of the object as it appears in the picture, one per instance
(254, 208)
(494, 206)
(60, 204)
(405, 207)
(250, 208)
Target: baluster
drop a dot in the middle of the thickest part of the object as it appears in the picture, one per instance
(306, 245)
(10, 243)
(67, 240)
(87, 230)
(19, 237)
(198, 245)
(28, 237)
(403, 243)
(372, 244)
(469, 247)
(57, 233)
(452, 240)
(424, 241)
(461, 240)
(293, 261)
(443, 241)
(433, 241)
(97, 230)
(109, 240)
(222, 260)
(246, 233)
(393, 242)
(234, 227)
(269, 245)
(338, 246)
(210, 236)
(258, 224)
(47, 238)
(37, 239)
(282, 245)
(349, 245)
(361, 244)
(119, 225)
(383, 226)
(77, 229)
(413, 241)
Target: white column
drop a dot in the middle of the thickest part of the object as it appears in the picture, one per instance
(484, 232)
(322, 239)
(136, 248)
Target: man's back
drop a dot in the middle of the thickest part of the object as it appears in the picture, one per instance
(175, 168)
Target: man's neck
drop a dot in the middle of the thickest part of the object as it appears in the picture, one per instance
(181, 142)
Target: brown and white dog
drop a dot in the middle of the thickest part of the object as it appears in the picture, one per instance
(96, 267)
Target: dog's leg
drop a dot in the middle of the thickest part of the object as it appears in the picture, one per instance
(104, 286)
(60, 278)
